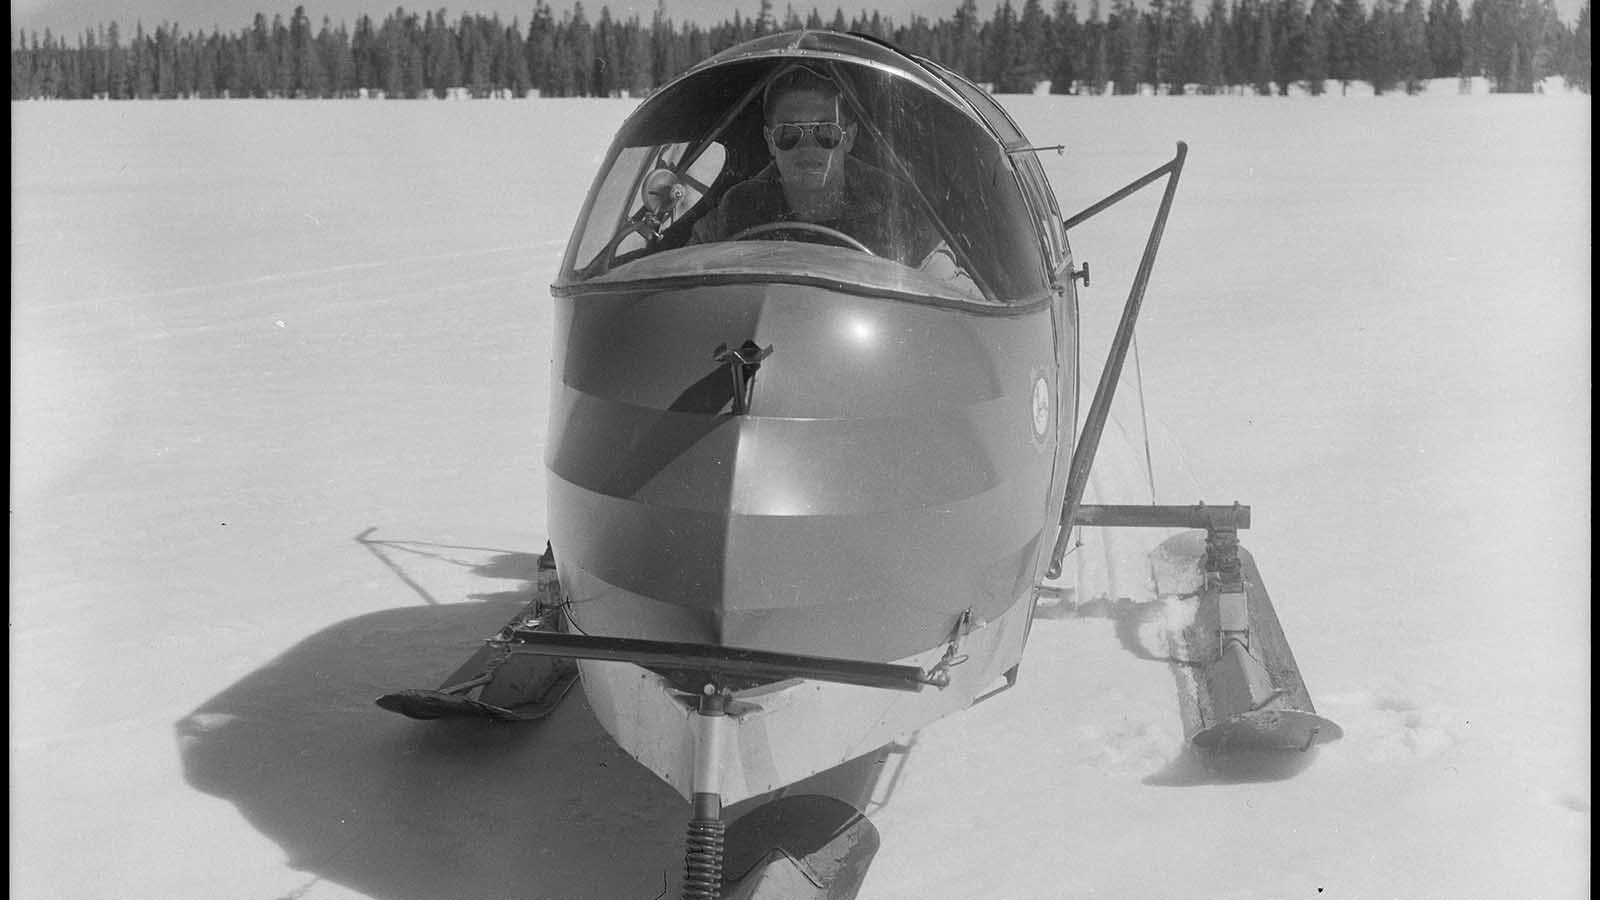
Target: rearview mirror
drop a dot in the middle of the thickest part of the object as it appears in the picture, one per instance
(661, 193)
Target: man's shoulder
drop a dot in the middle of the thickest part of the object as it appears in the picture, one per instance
(867, 175)
(873, 190)
(741, 205)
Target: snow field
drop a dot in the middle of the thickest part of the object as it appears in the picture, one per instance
(279, 386)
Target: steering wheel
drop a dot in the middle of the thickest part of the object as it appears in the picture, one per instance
(832, 234)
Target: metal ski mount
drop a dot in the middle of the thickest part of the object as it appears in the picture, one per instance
(1244, 688)
(497, 682)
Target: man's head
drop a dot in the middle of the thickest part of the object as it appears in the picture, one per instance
(808, 130)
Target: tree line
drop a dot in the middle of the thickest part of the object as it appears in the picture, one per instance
(1232, 46)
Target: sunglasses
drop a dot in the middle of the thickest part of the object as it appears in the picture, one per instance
(787, 136)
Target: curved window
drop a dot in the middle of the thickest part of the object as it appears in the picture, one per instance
(628, 210)
(932, 201)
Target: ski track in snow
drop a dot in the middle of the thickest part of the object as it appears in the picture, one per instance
(278, 413)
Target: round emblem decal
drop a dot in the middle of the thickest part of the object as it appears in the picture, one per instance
(1041, 407)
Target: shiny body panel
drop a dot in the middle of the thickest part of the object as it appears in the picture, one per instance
(888, 477)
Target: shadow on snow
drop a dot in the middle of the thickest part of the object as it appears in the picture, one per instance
(399, 809)
(406, 810)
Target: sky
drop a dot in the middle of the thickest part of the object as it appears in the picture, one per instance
(279, 400)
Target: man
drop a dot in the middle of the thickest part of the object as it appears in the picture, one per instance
(813, 178)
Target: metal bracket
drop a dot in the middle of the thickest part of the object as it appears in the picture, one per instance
(742, 363)
(701, 664)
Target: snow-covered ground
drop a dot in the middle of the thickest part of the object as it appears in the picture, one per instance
(278, 396)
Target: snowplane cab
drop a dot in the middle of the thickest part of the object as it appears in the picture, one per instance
(781, 442)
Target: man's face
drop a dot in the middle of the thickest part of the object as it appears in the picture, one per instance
(808, 165)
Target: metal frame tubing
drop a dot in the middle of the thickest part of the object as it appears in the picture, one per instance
(1100, 409)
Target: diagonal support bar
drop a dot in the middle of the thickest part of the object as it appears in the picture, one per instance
(1100, 409)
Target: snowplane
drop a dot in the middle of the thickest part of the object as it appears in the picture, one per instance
(806, 493)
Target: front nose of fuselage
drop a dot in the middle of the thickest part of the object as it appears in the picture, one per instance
(887, 475)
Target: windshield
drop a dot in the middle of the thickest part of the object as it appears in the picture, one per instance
(879, 179)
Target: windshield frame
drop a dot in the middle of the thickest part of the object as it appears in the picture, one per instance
(652, 124)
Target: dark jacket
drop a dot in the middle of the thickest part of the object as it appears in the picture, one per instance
(879, 211)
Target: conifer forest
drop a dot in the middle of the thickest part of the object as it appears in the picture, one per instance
(1263, 47)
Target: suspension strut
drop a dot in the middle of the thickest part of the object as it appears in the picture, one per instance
(702, 864)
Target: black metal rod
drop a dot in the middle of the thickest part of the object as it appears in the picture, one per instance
(1100, 409)
(1199, 516)
(720, 660)
(1113, 199)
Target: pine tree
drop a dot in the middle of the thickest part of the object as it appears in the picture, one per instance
(390, 57)
(165, 57)
(188, 65)
(305, 78)
(603, 67)
(1034, 33)
(410, 49)
(362, 48)
(968, 49)
(918, 38)
(21, 69)
(1415, 65)
(335, 58)
(1445, 37)
(1262, 66)
(1127, 47)
(1319, 37)
(1500, 46)
(539, 50)
(1065, 48)
(665, 64)
(94, 63)
(1158, 39)
(1289, 44)
(1345, 44)
(475, 37)
(1380, 47)
(116, 64)
(1244, 30)
(1543, 35)
(519, 80)
(47, 67)
(638, 56)
(1580, 75)
(1098, 57)
(1186, 41)
(1004, 53)
(143, 64)
(1213, 75)
(580, 52)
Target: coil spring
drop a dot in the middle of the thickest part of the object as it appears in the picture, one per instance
(702, 864)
